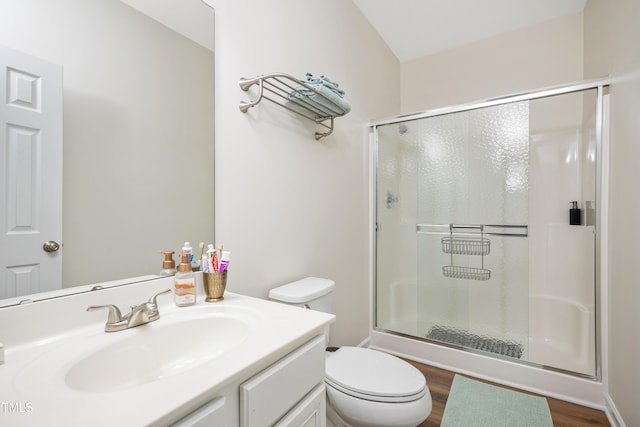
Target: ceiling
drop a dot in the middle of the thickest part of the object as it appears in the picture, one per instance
(191, 18)
(416, 28)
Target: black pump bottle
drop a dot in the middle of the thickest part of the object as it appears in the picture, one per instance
(575, 214)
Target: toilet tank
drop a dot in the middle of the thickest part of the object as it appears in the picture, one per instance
(310, 292)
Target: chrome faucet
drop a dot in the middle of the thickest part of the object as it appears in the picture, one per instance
(139, 314)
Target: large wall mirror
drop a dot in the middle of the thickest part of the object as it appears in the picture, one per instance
(137, 135)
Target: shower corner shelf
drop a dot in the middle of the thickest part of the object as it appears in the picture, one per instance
(289, 93)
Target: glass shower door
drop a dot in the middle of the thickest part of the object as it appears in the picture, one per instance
(454, 203)
(472, 227)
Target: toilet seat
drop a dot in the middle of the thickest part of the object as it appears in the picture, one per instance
(373, 375)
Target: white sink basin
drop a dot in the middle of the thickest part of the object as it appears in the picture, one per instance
(171, 345)
(156, 353)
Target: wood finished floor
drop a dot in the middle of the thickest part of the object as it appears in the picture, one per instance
(564, 414)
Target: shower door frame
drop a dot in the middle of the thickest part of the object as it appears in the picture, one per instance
(600, 233)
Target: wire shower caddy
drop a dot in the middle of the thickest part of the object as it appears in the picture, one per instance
(473, 246)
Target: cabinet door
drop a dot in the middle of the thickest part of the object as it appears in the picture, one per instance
(268, 396)
(310, 412)
(209, 415)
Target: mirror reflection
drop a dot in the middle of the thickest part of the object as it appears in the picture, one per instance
(129, 171)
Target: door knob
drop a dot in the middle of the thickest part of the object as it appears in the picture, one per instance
(51, 246)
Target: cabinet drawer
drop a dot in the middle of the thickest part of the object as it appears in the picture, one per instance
(266, 397)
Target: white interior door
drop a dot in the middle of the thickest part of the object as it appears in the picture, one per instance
(31, 162)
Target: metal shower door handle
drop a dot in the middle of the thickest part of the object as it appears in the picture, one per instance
(51, 246)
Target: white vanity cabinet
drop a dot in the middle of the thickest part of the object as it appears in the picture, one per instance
(287, 393)
(212, 413)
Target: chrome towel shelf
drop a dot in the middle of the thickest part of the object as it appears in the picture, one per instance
(292, 94)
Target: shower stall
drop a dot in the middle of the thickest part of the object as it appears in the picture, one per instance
(475, 246)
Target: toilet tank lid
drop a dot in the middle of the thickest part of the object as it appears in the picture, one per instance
(303, 290)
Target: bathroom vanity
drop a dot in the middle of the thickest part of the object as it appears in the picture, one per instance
(238, 362)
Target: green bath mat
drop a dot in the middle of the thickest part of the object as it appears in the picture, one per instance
(476, 404)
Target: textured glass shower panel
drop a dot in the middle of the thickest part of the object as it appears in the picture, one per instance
(474, 166)
(489, 315)
(473, 171)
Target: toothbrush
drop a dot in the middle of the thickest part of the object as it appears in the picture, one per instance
(201, 245)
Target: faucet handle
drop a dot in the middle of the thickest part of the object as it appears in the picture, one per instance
(114, 313)
(153, 301)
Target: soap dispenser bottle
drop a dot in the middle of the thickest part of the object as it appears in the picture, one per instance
(575, 214)
(184, 284)
(168, 265)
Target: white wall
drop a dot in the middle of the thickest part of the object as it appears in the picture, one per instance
(535, 57)
(612, 46)
(288, 206)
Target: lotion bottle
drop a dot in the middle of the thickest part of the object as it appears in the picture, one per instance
(184, 284)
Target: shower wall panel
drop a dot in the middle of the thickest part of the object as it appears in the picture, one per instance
(562, 256)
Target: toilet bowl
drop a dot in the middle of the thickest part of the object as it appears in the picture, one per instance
(370, 388)
(365, 387)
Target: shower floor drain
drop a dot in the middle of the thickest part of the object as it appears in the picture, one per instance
(477, 342)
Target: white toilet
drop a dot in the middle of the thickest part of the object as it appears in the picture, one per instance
(365, 388)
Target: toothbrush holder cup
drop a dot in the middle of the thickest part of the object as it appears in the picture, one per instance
(214, 286)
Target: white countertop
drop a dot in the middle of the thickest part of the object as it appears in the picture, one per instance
(43, 339)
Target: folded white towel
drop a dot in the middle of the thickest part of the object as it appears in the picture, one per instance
(325, 102)
(325, 81)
